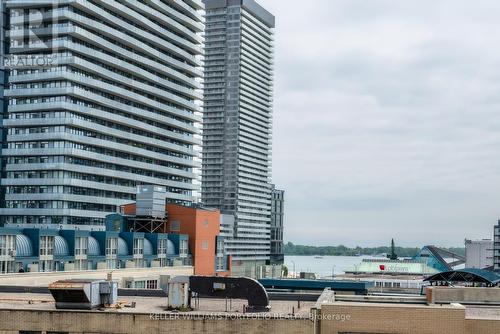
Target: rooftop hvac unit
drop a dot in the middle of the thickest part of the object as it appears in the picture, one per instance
(150, 201)
(83, 294)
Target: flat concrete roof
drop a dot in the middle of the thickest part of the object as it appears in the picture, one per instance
(207, 306)
(157, 305)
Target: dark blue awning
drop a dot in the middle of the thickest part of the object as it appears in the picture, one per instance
(467, 275)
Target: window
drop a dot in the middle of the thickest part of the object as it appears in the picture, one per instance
(162, 246)
(183, 248)
(81, 265)
(46, 245)
(111, 247)
(175, 225)
(111, 263)
(139, 263)
(138, 246)
(220, 263)
(220, 247)
(81, 245)
(151, 284)
(7, 245)
(8, 252)
(46, 266)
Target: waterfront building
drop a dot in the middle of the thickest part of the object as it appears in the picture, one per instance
(375, 267)
(237, 125)
(428, 261)
(277, 214)
(478, 253)
(113, 102)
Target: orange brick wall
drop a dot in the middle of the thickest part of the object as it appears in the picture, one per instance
(128, 209)
(202, 226)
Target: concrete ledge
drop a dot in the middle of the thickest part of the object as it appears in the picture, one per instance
(464, 295)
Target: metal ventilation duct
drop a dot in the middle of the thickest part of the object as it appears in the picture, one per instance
(232, 287)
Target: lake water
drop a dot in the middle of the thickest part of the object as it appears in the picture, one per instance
(324, 265)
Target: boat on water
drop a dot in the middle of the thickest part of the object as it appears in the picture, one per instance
(318, 257)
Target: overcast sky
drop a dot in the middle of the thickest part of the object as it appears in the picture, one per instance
(387, 120)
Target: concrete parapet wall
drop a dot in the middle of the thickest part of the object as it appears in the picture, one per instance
(482, 326)
(331, 318)
(348, 317)
(443, 295)
(110, 322)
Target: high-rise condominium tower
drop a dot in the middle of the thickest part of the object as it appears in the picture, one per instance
(108, 96)
(238, 122)
(496, 247)
(277, 214)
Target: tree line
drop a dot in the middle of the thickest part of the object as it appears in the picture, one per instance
(291, 249)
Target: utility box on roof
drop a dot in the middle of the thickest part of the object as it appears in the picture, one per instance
(178, 292)
(150, 201)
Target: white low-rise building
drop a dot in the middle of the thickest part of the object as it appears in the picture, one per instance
(478, 253)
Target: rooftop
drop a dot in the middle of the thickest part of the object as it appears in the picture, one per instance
(156, 305)
(209, 306)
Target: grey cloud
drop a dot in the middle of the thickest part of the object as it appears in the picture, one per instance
(387, 120)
